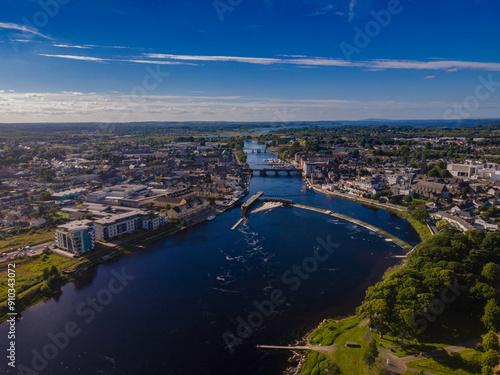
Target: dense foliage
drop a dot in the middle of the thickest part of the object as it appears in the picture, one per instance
(450, 273)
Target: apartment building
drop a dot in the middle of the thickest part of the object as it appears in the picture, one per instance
(76, 237)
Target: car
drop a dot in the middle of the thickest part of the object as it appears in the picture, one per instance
(28, 247)
(32, 251)
(4, 254)
(9, 258)
(46, 248)
(23, 248)
(15, 255)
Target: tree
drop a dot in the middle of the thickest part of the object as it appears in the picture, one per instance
(490, 358)
(445, 173)
(88, 216)
(442, 225)
(420, 213)
(377, 310)
(491, 317)
(491, 243)
(434, 172)
(371, 354)
(490, 341)
(491, 273)
(45, 196)
(486, 370)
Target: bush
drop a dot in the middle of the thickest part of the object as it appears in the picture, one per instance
(490, 341)
(371, 354)
(490, 358)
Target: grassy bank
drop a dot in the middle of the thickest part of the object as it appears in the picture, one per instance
(466, 362)
(336, 357)
(32, 286)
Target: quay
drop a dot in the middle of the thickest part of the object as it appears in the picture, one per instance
(245, 206)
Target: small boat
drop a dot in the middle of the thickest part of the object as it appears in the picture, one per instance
(211, 218)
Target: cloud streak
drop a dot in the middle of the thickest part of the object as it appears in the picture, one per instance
(370, 65)
(23, 28)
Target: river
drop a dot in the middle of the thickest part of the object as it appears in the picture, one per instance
(173, 306)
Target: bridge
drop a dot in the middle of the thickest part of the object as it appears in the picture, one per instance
(245, 206)
(263, 171)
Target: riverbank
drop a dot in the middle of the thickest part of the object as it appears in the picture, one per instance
(423, 231)
(404, 245)
(32, 287)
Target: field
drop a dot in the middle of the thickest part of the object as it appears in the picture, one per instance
(39, 236)
(467, 362)
(30, 284)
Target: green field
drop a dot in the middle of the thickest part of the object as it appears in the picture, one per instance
(339, 359)
(451, 331)
(38, 237)
(31, 286)
(467, 362)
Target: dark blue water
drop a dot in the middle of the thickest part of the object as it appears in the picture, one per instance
(192, 288)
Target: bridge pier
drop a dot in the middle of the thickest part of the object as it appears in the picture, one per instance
(263, 173)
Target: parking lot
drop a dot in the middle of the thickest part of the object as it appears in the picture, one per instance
(31, 251)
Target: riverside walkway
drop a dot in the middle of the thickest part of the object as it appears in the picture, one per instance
(406, 246)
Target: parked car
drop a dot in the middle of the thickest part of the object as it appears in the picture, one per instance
(9, 258)
(32, 251)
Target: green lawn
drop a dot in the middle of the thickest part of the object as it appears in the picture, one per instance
(455, 329)
(348, 360)
(317, 364)
(467, 362)
(29, 278)
(329, 331)
(14, 241)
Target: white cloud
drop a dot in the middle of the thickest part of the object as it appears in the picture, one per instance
(430, 77)
(124, 107)
(351, 9)
(73, 57)
(369, 65)
(23, 28)
(70, 46)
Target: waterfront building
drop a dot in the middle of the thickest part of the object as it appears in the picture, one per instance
(76, 237)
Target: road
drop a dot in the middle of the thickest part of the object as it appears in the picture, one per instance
(37, 249)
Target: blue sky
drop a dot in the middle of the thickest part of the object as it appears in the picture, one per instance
(248, 60)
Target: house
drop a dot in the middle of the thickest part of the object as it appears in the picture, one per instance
(193, 207)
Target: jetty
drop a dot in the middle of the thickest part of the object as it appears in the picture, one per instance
(237, 224)
(284, 347)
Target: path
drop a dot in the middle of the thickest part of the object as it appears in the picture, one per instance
(373, 228)
(398, 364)
(358, 199)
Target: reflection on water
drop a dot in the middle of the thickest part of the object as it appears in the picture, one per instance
(191, 288)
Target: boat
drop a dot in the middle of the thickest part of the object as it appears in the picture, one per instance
(211, 218)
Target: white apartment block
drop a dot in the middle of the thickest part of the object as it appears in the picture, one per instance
(77, 237)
